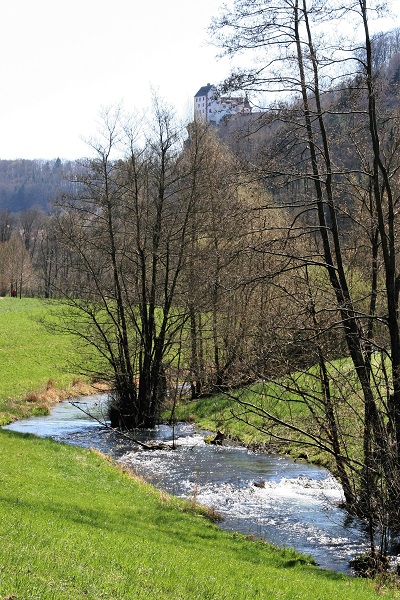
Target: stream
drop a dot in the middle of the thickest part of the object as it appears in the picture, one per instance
(284, 502)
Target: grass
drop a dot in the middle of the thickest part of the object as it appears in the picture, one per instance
(232, 412)
(220, 410)
(74, 526)
(34, 362)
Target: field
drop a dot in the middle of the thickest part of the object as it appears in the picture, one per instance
(36, 364)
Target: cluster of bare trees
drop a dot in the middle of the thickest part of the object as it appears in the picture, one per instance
(157, 245)
(31, 261)
(335, 155)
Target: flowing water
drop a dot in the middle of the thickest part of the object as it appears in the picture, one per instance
(285, 502)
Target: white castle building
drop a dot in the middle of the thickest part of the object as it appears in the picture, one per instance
(212, 109)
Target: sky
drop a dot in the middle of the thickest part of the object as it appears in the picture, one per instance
(62, 63)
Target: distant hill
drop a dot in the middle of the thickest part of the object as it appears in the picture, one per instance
(28, 183)
(251, 136)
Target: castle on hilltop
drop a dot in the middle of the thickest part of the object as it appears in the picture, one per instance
(211, 108)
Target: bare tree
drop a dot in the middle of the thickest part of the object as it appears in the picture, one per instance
(127, 232)
(229, 238)
(17, 275)
(286, 39)
(7, 224)
(30, 222)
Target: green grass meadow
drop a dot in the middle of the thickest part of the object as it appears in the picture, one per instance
(31, 356)
(74, 525)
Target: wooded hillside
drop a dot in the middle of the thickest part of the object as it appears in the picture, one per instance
(28, 183)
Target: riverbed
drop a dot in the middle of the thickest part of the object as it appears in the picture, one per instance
(275, 498)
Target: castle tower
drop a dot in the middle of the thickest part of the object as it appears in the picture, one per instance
(211, 108)
(203, 101)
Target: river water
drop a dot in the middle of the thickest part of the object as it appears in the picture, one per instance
(287, 503)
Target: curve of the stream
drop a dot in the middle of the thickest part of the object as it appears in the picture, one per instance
(285, 502)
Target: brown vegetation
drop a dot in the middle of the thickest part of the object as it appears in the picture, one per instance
(40, 401)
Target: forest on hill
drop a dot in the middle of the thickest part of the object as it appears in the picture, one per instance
(25, 184)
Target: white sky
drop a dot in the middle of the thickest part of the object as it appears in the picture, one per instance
(61, 62)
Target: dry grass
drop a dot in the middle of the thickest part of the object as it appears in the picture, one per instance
(40, 401)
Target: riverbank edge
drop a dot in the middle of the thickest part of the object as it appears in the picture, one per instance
(184, 412)
(39, 401)
(271, 567)
(52, 397)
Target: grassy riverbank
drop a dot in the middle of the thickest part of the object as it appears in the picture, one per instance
(36, 364)
(217, 413)
(236, 413)
(74, 526)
